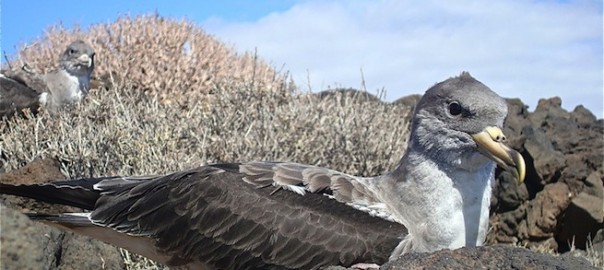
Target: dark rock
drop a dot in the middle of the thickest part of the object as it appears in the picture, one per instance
(25, 244)
(562, 150)
(508, 193)
(569, 132)
(506, 227)
(594, 187)
(534, 222)
(31, 245)
(583, 117)
(576, 171)
(516, 120)
(584, 216)
(35, 172)
(549, 114)
(80, 252)
(545, 210)
(548, 162)
(487, 257)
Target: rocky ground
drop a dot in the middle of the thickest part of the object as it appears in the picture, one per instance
(31, 245)
(560, 205)
(558, 208)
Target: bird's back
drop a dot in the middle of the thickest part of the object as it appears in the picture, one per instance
(20, 90)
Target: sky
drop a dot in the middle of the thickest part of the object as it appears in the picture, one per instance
(527, 49)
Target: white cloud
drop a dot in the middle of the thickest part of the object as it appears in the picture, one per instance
(526, 49)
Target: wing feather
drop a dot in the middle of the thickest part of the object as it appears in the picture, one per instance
(207, 214)
(16, 96)
(300, 178)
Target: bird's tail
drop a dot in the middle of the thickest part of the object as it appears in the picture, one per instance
(79, 193)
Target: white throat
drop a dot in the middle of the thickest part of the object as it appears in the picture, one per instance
(443, 206)
(66, 88)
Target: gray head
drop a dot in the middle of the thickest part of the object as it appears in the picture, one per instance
(78, 59)
(459, 118)
(461, 103)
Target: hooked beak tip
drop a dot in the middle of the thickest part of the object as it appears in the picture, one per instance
(490, 143)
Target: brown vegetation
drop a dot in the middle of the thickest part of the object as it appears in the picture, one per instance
(173, 60)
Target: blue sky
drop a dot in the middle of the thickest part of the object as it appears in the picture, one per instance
(41, 14)
(520, 48)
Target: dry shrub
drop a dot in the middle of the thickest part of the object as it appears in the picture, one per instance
(174, 60)
(119, 132)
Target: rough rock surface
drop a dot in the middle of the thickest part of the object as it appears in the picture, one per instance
(586, 207)
(561, 201)
(487, 257)
(32, 245)
(25, 244)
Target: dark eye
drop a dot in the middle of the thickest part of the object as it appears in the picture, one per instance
(455, 108)
(72, 51)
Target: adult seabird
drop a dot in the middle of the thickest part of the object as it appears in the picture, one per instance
(276, 215)
(23, 89)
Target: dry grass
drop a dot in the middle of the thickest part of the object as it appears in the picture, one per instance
(173, 60)
(594, 255)
(591, 254)
(117, 132)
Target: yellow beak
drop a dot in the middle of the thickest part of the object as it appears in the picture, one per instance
(490, 143)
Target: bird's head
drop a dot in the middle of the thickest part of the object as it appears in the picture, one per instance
(78, 58)
(461, 119)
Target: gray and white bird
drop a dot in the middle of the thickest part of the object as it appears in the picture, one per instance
(22, 89)
(282, 215)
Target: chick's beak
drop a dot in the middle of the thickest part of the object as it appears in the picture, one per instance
(490, 143)
(85, 59)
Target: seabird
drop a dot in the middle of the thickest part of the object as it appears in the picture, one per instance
(23, 89)
(282, 215)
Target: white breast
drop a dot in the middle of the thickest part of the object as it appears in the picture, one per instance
(64, 88)
(475, 194)
(440, 212)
